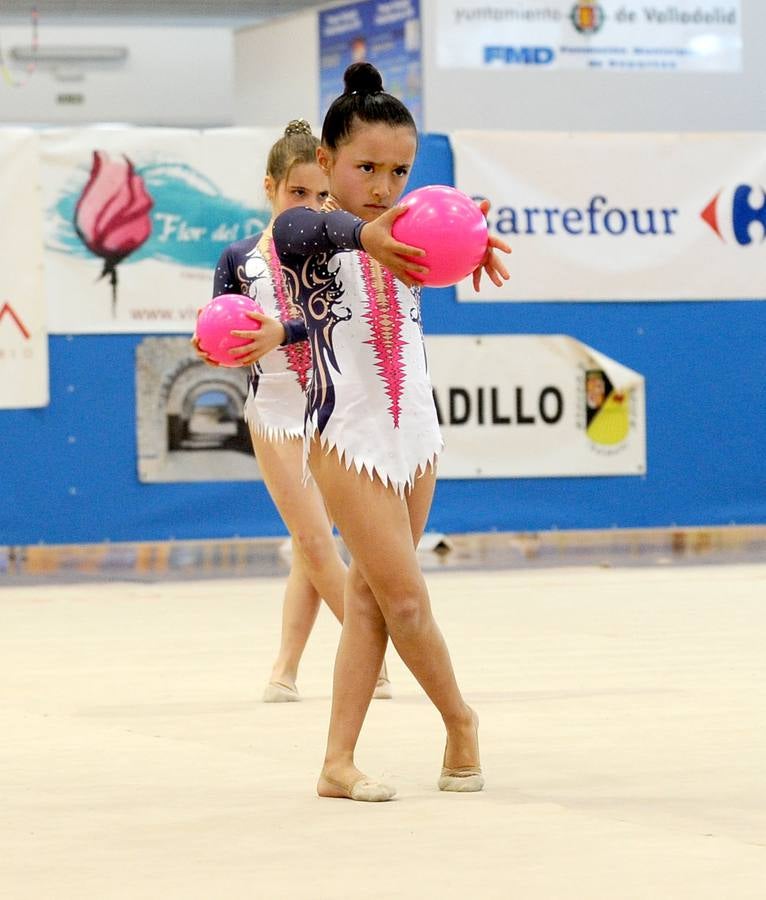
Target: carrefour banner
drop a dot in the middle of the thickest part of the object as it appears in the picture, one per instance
(598, 35)
(622, 216)
(136, 219)
(23, 335)
(522, 406)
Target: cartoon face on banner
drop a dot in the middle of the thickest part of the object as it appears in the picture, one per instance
(606, 410)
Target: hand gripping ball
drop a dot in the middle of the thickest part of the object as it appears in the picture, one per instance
(449, 226)
(221, 316)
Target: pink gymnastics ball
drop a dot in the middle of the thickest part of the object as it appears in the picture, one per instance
(221, 316)
(449, 226)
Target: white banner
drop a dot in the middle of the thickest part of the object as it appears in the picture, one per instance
(621, 216)
(23, 336)
(613, 35)
(526, 406)
(136, 219)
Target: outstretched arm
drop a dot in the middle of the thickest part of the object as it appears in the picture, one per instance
(301, 232)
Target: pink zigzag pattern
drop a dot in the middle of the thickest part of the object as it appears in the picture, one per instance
(298, 355)
(385, 320)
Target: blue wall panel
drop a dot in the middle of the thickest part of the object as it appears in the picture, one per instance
(69, 471)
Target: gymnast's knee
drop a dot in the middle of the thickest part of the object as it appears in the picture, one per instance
(316, 549)
(406, 612)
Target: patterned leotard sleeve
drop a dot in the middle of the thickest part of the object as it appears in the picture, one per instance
(225, 280)
(303, 232)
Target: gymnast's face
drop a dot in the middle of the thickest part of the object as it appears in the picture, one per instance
(305, 185)
(369, 171)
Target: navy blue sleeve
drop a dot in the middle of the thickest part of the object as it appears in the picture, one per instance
(295, 331)
(225, 278)
(301, 232)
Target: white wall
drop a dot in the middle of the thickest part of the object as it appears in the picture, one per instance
(276, 71)
(276, 68)
(172, 76)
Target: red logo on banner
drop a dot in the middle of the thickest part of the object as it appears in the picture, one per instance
(7, 308)
(710, 215)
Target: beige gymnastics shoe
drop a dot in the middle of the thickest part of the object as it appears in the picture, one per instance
(365, 789)
(462, 779)
(383, 690)
(276, 692)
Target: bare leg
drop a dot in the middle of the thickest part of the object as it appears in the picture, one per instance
(317, 570)
(299, 612)
(304, 513)
(363, 642)
(382, 530)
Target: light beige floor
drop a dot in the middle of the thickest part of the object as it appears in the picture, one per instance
(623, 726)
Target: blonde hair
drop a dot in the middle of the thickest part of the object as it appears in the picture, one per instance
(297, 145)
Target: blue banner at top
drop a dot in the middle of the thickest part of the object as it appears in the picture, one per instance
(386, 33)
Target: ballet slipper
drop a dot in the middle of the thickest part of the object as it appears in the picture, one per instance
(383, 689)
(383, 686)
(462, 779)
(365, 789)
(276, 692)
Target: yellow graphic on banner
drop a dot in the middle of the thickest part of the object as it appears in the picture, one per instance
(607, 410)
(611, 423)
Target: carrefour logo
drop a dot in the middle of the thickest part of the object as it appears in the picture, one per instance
(740, 215)
(519, 56)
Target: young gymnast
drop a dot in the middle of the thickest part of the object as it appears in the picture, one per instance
(275, 407)
(372, 437)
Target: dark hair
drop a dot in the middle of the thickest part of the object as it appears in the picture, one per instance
(297, 145)
(363, 99)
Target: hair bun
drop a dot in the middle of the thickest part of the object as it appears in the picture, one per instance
(297, 126)
(362, 78)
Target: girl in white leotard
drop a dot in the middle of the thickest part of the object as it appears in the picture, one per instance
(275, 407)
(371, 431)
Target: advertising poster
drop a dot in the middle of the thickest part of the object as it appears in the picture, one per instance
(535, 406)
(386, 33)
(189, 419)
(23, 333)
(136, 219)
(518, 406)
(608, 35)
(621, 216)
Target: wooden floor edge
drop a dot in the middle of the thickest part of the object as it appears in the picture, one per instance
(269, 557)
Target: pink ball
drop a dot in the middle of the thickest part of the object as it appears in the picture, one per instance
(449, 226)
(221, 316)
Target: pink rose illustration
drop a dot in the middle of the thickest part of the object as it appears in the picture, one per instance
(112, 215)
